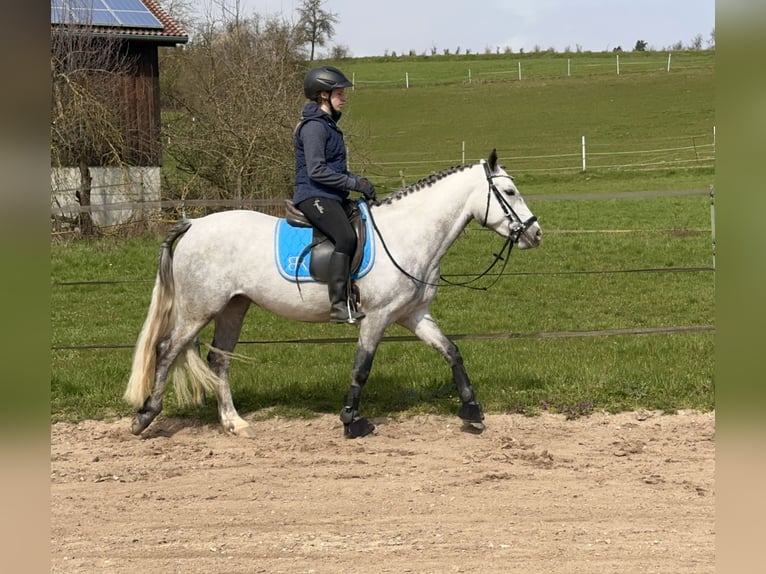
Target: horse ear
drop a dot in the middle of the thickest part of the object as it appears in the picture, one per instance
(493, 160)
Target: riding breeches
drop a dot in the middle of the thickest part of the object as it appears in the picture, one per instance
(330, 217)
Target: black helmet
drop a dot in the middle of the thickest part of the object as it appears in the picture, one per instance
(323, 78)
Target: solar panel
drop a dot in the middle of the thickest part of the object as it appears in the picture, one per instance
(122, 13)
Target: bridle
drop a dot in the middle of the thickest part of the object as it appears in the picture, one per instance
(515, 224)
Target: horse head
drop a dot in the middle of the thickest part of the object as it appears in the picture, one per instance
(503, 209)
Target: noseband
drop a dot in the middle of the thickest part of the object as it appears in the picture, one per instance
(515, 224)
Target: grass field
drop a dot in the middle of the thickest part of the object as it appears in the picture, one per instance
(638, 126)
(608, 263)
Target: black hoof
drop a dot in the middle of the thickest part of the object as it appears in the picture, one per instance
(358, 428)
(473, 427)
(471, 413)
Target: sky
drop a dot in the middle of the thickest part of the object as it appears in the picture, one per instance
(379, 27)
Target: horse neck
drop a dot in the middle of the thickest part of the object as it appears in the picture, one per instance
(429, 219)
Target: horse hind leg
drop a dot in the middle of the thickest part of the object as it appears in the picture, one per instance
(228, 326)
(429, 332)
(168, 350)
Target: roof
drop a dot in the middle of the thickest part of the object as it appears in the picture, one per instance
(171, 32)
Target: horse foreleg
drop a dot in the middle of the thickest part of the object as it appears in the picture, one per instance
(429, 332)
(354, 424)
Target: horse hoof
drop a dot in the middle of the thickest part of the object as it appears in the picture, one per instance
(137, 427)
(473, 427)
(471, 413)
(358, 428)
(243, 432)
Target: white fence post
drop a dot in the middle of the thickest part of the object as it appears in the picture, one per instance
(569, 67)
(519, 69)
(469, 75)
(712, 227)
(618, 64)
(463, 153)
(669, 54)
(407, 79)
(353, 81)
(583, 153)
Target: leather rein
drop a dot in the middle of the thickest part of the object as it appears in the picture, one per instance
(516, 225)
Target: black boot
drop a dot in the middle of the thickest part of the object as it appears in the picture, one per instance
(340, 311)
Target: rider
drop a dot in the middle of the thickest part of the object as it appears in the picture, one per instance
(322, 180)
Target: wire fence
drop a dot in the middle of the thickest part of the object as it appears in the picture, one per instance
(413, 71)
(501, 335)
(692, 151)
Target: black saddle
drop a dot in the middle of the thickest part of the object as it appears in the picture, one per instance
(320, 247)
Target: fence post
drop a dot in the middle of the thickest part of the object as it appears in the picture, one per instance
(712, 227)
(669, 54)
(583, 153)
(469, 75)
(569, 67)
(407, 79)
(353, 81)
(463, 153)
(618, 64)
(519, 69)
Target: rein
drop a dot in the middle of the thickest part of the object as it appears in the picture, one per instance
(516, 225)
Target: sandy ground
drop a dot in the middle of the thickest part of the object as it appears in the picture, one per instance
(624, 493)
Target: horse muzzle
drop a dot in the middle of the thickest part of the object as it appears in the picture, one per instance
(528, 234)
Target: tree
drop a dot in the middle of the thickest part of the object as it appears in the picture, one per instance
(236, 95)
(317, 26)
(88, 120)
(340, 52)
(640, 46)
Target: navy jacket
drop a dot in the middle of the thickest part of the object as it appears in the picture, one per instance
(320, 157)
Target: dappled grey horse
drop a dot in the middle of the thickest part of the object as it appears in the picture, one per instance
(224, 262)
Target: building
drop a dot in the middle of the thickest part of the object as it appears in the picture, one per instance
(137, 29)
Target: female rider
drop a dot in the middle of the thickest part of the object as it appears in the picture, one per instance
(322, 180)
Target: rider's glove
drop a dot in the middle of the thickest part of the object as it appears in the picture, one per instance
(365, 186)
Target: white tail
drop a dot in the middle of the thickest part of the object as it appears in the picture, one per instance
(158, 325)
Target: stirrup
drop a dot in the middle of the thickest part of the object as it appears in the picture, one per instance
(347, 315)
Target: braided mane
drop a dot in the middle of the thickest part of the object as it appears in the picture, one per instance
(426, 182)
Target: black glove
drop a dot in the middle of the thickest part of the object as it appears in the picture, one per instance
(365, 186)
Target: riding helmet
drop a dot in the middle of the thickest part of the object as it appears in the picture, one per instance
(323, 78)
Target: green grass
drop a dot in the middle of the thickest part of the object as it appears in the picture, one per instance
(604, 263)
(555, 288)
(629, 121)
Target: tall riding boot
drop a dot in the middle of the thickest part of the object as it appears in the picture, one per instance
(340, 311)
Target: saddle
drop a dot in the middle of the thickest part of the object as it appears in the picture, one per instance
(318, 251)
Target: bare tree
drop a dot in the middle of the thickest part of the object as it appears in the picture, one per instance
(88, 122)
(316, 25)
(236, 96)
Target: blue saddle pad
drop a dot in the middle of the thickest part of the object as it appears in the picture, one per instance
(290, 241)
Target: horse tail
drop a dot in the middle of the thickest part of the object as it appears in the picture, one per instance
(158, 323)
(192, 376)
